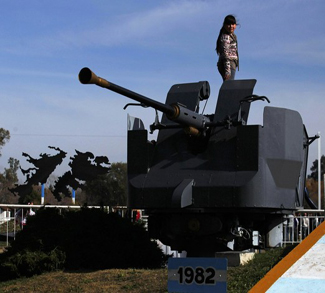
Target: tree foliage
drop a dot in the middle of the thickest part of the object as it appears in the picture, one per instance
(11, 173)
(7, 180)
(4, 137)
(314, 169)
(88, 239)
(9, 177)
(312, 181)
(312, 187)
(109, 189)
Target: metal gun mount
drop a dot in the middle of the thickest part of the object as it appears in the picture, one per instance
(224, 181)
(194, 124)
(191, 120)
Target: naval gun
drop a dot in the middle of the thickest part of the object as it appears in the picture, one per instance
(191, 120)
(222, 183)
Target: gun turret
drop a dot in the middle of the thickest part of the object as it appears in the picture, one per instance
(192, 121)
(228, 182)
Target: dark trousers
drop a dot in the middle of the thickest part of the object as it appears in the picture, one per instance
(222, 71)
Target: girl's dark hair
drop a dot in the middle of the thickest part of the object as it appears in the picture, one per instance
(229, 19)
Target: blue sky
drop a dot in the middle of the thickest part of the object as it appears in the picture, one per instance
(146, 46)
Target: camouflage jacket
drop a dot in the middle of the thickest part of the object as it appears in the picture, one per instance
(229, 52)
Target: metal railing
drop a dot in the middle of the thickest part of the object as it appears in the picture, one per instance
(295, 227)
(298, 226)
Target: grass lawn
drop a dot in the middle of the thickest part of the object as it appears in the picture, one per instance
(239, 279)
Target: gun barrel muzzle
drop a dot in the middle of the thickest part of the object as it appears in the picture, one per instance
(86, 76)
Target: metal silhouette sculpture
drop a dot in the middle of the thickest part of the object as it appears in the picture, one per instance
(38, 174)
(84, 167)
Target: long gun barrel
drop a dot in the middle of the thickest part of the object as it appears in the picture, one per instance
(86, 76)
(175, 112)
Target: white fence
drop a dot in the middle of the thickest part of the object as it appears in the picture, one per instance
(4, 216)
(294, 227)
(298, 226)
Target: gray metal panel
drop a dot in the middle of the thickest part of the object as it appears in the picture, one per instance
(284, 145)
(182, 196)
(230, 94)
(187, 94)
(242, 167)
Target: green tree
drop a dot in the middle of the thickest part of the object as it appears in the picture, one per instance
(4, 137)
(312, 181)
(312, 187)
(7, 180)
(314, 169)
(109, 189)
(11, 173)
(9, 177)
